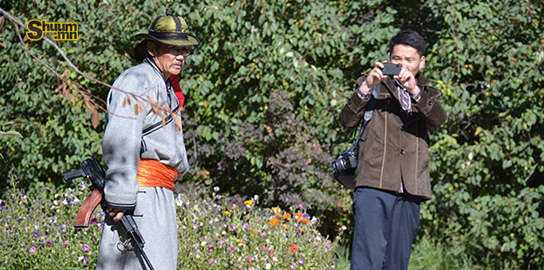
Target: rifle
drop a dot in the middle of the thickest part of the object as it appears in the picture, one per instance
(91, 169)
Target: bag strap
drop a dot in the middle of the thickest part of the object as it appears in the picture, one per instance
(369, 111)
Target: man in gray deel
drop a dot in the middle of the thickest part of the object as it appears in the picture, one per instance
(392, 176)
(144, 151)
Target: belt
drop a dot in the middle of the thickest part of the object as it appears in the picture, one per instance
(152, 173)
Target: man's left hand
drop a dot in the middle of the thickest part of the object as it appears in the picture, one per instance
(408, 82)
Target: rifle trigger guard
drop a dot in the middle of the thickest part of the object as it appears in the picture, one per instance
(125, 244)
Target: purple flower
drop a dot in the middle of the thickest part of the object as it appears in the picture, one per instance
(210, 247)
(36, 235)
(85, 261)
(231, 249)
(32, 250)
(301, 206)
(300, 261)
(1, 207)
(63, 228)
(85, 248)
(263, 234)
(48, 243)
(94, 220)
(293, 265)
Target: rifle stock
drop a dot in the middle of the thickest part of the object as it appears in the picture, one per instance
(87, 208)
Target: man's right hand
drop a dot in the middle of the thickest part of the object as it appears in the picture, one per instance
(375, 77)
(116, 214)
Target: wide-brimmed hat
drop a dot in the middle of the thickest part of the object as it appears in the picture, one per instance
(169, 30)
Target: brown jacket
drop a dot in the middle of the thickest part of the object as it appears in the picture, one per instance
(395, 145)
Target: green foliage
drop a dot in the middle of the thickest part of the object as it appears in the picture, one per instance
(488, 158)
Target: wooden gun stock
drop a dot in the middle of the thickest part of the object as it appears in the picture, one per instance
(87, 209)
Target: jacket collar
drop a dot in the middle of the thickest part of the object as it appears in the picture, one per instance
(151, 62)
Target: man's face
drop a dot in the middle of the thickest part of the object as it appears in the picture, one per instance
(408, 57)
(170, 59)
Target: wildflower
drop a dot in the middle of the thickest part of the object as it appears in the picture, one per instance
(248, 202)
(293, 265)
(1, 207)
(304, 220)
(344, 227)
(85, 261)
(301, 206)
(277, 214)
(263, 234)
(268, 266)
(32, 250)
(48, 243)
(276, 209)
(240, 240)
(36, 235)
(94, 220)
(293, 248)
(216, 189)
(285, 216)
(86, 248)
(300, 261)
(211, 247)
(231, 249)
(273, 222)
(255, 231)
(227, 213)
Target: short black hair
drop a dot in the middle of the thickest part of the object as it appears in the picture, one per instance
(409, 38)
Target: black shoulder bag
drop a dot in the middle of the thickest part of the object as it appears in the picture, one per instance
(344, 166)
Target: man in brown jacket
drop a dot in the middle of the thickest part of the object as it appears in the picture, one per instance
(392, 176)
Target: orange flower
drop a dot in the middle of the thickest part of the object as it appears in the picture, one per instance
(255, 231)
(293, 248)
(299, 215)
(304, 220)
(285, 216)
(273, 222)
(277, 214)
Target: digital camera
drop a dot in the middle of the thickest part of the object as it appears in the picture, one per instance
(346, 160)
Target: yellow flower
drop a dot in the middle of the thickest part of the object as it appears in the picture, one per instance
(248, 202)
(227, 213)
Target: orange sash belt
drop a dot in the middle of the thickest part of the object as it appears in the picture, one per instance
(152, 173)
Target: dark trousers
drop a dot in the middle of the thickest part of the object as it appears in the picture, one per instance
(385, 226)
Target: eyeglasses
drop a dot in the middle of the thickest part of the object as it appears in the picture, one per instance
(177, 51)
